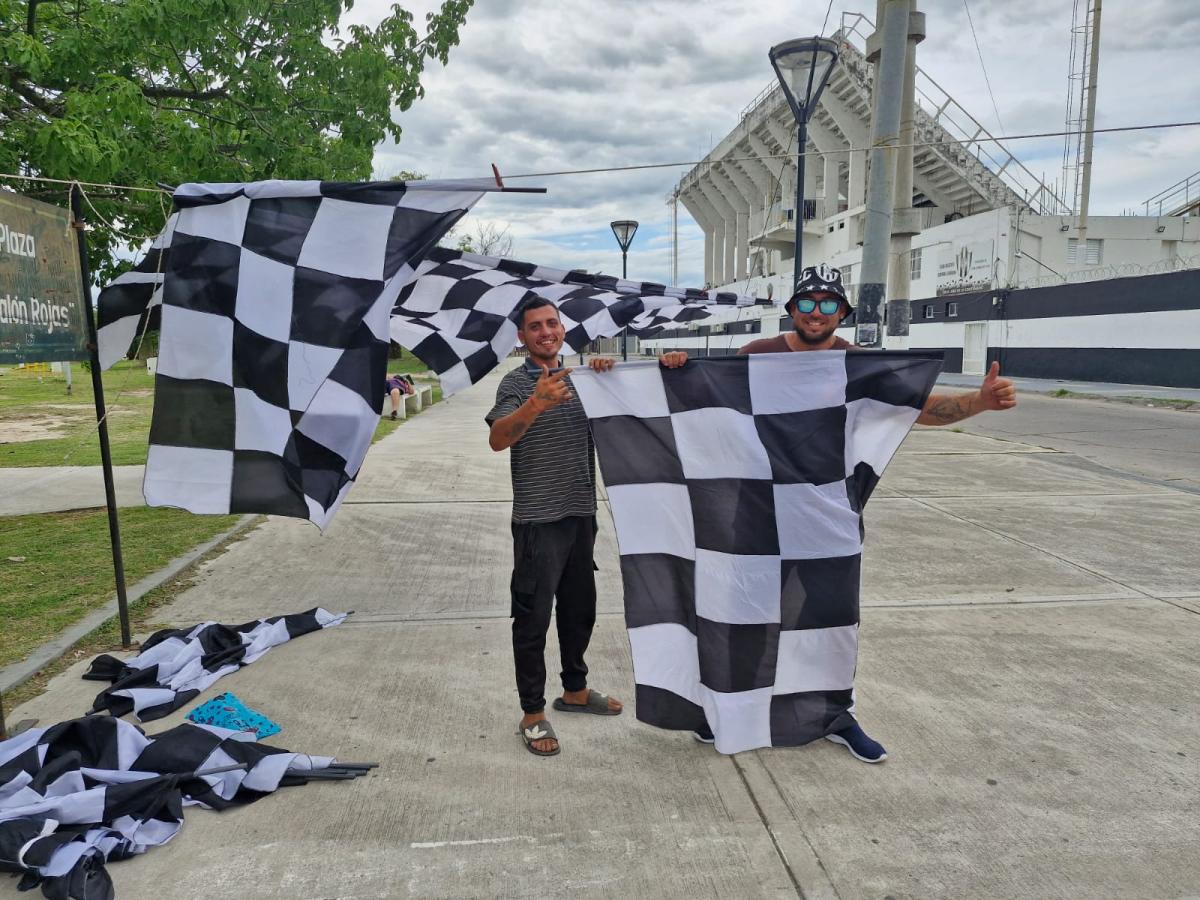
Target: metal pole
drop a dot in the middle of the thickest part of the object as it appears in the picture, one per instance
(885, 127)
(802, 139)
(624, 331)
(110, 493)
(906, 221)
(1088, 134)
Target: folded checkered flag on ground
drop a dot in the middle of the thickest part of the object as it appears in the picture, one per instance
(274, 300)
(459, 315)
(87, 791)
(176, 664)
(737, 487)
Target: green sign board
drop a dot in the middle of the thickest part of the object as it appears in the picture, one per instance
(42, 305)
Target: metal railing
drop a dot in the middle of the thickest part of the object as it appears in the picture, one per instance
(954, 119)
(1169, 197)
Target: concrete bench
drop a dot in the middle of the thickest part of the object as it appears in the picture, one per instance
(421, 397)
(409, 403)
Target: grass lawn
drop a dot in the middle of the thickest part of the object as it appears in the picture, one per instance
(56, 567)
(129, 394)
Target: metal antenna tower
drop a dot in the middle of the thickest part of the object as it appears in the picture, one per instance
(1080, 86)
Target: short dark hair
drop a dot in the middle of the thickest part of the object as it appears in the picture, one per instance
(531, 303)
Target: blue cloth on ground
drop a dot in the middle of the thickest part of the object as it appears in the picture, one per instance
(227, 711)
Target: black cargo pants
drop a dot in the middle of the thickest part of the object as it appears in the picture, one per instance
(552, 559)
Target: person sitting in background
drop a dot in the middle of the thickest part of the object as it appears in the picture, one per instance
(396, 386)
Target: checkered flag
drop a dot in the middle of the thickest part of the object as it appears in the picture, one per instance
(132, 302)
(274, 301)
(737, 487)
(459, 316)
(84, 792)
(176, 664)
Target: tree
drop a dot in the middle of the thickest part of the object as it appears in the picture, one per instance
(139, 92)
(487, 239)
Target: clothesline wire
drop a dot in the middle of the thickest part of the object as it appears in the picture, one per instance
(891, 146)
(982, 139)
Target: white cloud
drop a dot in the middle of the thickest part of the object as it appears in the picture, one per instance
(541, 86)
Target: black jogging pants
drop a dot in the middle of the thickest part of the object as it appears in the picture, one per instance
(552, 559)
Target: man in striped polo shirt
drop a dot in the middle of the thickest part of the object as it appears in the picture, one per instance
(539, 419)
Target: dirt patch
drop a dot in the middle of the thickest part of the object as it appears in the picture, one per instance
(14, 431)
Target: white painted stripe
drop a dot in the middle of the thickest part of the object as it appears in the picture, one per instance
(1172, 329)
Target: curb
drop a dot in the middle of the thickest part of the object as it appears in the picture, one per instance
(16, 674)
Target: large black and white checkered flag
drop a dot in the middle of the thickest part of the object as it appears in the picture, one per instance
(459, 315)
(274, 299)
(737, 487)
(176, 664)
(84, 792)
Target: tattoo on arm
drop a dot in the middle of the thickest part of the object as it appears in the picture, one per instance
(942, 410)
(513, 430)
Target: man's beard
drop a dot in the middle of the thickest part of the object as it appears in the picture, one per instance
(822, 338)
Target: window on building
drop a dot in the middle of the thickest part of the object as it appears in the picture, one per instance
(952, 310)
(1093, 254)
(914, 262)
(927, 311)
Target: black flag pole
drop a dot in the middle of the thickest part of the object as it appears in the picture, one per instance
(110, 493)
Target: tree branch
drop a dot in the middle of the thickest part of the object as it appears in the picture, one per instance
(154, 91)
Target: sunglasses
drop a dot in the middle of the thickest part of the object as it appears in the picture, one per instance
(827, 307)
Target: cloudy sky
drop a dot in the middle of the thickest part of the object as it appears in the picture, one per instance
(546, 85)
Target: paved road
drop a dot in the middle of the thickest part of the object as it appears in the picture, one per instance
(1031, 646)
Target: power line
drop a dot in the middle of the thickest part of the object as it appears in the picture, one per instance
(951, 142)
(828, 10)
(979, 51)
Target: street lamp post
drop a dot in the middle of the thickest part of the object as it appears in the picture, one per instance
(803, 66)
(624, 230)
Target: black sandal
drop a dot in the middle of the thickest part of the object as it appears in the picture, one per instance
(597, 705)
(539, 731)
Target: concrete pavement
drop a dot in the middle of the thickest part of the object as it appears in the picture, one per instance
(1029, 658)
(24, 491)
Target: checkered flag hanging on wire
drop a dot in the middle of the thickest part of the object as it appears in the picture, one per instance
(274, 300)
(459, 314)
(737, 487)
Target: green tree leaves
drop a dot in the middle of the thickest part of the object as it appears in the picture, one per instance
(146, 91)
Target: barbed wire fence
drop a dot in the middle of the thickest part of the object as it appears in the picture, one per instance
(1121, 270)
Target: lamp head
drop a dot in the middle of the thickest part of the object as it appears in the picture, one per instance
(624, 231)
(803, 66)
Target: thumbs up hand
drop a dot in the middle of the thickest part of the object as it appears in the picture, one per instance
(997, 392)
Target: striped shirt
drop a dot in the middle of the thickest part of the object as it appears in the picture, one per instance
(554, 463)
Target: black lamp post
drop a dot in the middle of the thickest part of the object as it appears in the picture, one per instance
(624, 230)
(803, 66)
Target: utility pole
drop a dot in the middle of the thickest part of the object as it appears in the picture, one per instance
(888, 46)
(906, 221)
(1089, 131)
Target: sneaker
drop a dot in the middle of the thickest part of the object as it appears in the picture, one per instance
(859, 744)
(393, 417)
(704, 735)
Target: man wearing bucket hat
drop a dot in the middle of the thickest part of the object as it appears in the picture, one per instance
(818, 306)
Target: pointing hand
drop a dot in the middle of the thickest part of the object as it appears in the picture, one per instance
(550, 390)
